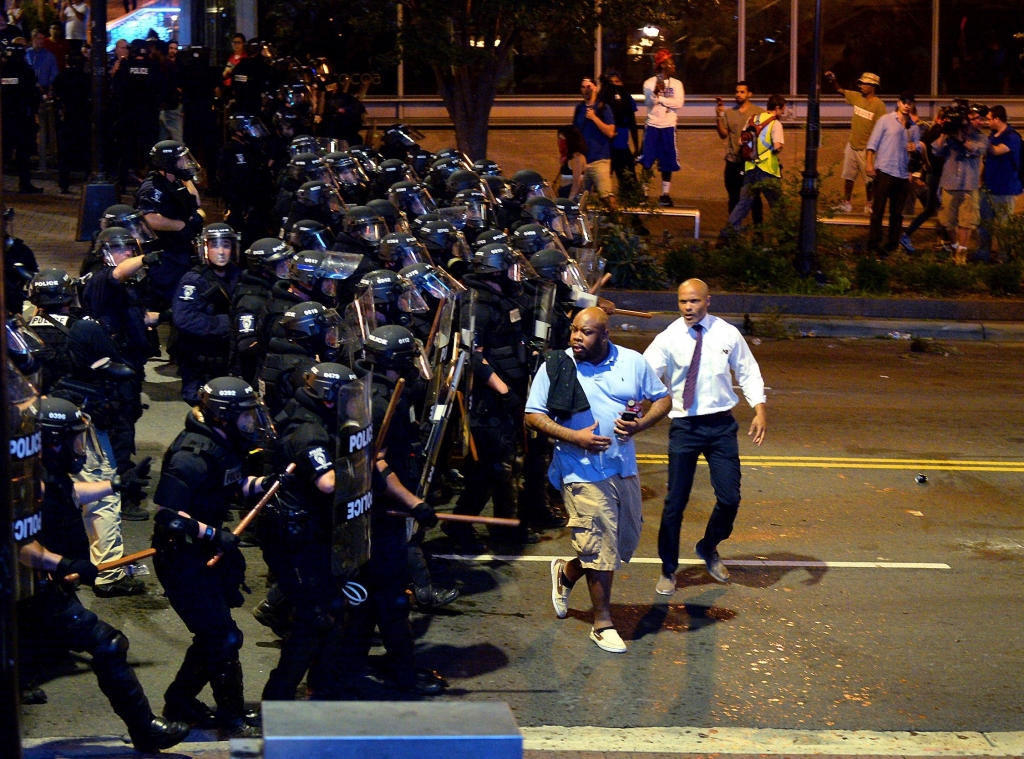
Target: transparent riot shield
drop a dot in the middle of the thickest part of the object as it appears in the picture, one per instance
(360, 314)
(590, 263)
(26, 456)
(353, 490)
(543, 313)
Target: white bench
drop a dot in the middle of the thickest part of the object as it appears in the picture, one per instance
(691, 213)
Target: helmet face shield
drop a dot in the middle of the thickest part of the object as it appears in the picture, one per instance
(360, 314)
(370, 230)
(119, 250)
(540, 191)
(138, 227)
(415, 202)
(409, 299)
(439, 283)
(457, 216)
(322, 173)
(254, 424)
(580, 231)
(558, 223)
(461, 249)
(352, 175)
(520, 268)
(478, 214)
(573, 277)
(186, 166)
(335, 266)
(220, 250)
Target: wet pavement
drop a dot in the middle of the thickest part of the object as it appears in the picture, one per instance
(859, 600)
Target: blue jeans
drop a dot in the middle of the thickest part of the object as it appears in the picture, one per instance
(714, 437)
(755, 184)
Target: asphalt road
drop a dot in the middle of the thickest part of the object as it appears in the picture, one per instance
(877, 645)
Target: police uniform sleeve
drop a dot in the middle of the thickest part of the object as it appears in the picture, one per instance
(180, 479)
(313, 457)
(188, 310)
(146, 199)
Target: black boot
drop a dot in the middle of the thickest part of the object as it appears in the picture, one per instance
(233, 720)
(121, 686)
(426, 593)
(274, 616)
(180, 699)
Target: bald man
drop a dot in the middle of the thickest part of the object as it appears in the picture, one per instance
(696, 356)
(578, 398)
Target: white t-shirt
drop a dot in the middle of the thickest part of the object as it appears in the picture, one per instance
(74, 27)
(661, 110)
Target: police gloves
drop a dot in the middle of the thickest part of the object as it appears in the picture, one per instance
(84, 568)
(511, 404)
(225, 540)
(151, 259)
(133, 482)
(193, 227)
(424, 514)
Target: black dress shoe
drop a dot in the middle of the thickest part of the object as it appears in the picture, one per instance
(433, 597)
(158, 734)
(33, 695)
(133, 512)
(194, 712)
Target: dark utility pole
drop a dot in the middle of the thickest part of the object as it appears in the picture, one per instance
(99, 192)
(807, 254)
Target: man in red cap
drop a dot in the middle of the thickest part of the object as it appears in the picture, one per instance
(664, 96)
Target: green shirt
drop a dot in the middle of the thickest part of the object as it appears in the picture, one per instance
(865, 116)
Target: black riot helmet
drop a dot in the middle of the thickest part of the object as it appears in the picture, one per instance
(397, 251)
(313, 325)
(417, 224)
(63, 427)
(249, 129)
(464, 179)
(389, 172)
(395, 219)
(485, 167)
(546, 212)
(174, 158)
(498, 259)
(352, 180)
(323, 195)
(308, 234)
(412, 198)
(116, 244)
(324, 380)
(400, 136)
(554, 265)
(458, 155)
(390, 288)
(532, 238)
(269, 255)
(500, 187)
(302, 145)
(395, 347)
(51, 288)
(129, 218)
(287, 122)
(443, 241)
(294, 95)
(420, 161)
(232, 406)
(318, 272)
(303, 166)
(440, 170)
(362, 223)
(368, 158)
(219, 245)
(491, 236)
(529, 183)
(578, 226)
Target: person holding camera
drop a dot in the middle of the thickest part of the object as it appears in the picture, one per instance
(962, 145)
(1001, 183)
(894, 139)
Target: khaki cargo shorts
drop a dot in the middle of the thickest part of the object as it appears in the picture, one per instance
(960, 208)
(605, 518)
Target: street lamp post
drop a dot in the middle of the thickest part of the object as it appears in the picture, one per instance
(808, 248)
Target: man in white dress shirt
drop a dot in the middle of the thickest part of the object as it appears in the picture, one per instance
(696, 357)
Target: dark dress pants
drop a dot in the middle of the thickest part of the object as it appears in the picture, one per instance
(734, 185)
(891, 190)
(714, 437)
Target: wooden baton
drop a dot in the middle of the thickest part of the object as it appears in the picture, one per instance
(493, 521)
(388, 416)
(253, 513)
(638, 314)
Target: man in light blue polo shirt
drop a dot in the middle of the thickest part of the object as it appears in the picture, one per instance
(594, 462)
(893, 139)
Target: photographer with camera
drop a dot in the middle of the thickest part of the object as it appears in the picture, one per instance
(962, 145)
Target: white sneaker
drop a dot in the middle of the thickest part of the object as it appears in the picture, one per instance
(608, 640)
(867, 209)
(666, 585)
(844, 207)
(559, 593)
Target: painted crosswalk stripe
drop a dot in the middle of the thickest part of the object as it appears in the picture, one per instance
(844, 462)
(483, 557)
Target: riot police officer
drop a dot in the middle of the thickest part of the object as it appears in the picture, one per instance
(318, 200)
(396, 300)
(202, 310)
(19, 265)
(295, 532)
(244, 177)
(202, 472)
(499, 383)
(170, 203)
(353, 184)
(396, 220)
(362, 230)
(52, 292)
(63, 551)
(266, 262)
(393, 352)
(20, 99)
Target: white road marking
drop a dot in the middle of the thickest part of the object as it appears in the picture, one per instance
(730, 562)
(741, 740)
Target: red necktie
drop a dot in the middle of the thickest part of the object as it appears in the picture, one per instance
(690, 388)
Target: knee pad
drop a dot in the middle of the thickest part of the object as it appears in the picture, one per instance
(220, 646)
(111, 644)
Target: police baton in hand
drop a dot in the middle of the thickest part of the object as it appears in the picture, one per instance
(382, 433)
(466, 518)
(248, 518)
(117, 563)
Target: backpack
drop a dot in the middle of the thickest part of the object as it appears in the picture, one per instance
(749, 136)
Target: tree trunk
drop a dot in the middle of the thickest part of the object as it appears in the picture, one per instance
(468, 93)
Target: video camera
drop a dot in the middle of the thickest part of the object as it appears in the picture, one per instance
(958, 116)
